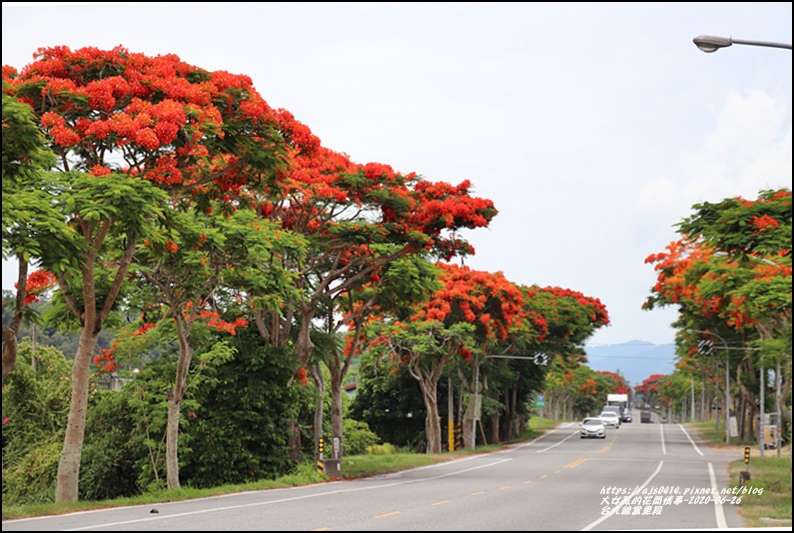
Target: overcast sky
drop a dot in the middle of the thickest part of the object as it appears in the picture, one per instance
(594, 127)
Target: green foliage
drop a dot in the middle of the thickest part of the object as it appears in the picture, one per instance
(35, 403)
(381, 449)
(731, 225)
(236, 429)
(384, 399)
(112, 447)
(30, 193)
(23, 143)
(30, 476)
(357, 437)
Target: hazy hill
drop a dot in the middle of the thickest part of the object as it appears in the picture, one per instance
(634, 360)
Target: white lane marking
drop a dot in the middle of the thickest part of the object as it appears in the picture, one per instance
(690, 439)
(533, 441)
(661, 432)
(718, 510)
(305, 497)
(625, 500)
(555, 445)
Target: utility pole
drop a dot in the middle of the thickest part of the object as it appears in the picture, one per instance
(761, 419)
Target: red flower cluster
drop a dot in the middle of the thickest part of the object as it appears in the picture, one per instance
(37, 282)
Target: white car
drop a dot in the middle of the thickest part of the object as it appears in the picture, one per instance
(610, 419)
(592, 427)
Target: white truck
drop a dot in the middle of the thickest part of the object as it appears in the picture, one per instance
(621, 401)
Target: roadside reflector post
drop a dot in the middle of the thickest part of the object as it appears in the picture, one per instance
(744, 475)
(320, 462)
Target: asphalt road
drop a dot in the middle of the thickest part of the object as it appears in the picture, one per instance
(640, 477)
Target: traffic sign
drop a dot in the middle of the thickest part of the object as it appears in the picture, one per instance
(705, 347)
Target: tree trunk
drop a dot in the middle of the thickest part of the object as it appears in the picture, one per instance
(304, 344)
(336, 408)
(11, 330)
(319, 386)
(66, 489)
(10, 349)
(294, 439)
(432, 420)
(175, 396)
(172, 440)
(495, 428)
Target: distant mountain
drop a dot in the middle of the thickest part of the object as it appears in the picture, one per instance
(635, 360)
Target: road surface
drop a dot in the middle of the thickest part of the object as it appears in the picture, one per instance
(641, 476)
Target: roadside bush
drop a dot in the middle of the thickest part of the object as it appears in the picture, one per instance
(32, 478)
(381, 449)
(357, 437)
(235, 428)
(35, 405)
(111, 449)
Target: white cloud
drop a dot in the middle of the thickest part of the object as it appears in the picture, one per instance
(748, 150)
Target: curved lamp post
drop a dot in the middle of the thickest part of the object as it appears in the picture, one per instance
(712, 43)
(539, 358)
(727, 381)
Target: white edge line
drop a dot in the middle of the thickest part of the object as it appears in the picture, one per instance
(661, 433)
(555, 445)
(719, 513)
(533, 441)
(625, 500)
(690, 439)
(307, 496)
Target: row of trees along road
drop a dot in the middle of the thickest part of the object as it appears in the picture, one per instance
(729, 275)
(145, 187)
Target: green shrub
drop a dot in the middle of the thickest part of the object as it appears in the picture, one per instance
(32, 478)
(381, 449)
(357, 437)
(112, 447)
(35, 407)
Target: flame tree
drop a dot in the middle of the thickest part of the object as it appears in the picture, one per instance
(730, 274)
(357, 219)
(133, 135)
(471, 308)
(570, 318)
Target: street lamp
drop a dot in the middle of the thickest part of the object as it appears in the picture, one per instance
(727, 382)
(712, 43)
(538, 359)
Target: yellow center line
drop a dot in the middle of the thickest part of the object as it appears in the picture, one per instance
(506, 487)
(478, 493)
(442, 502)
(557, 471)
(527, 482)
(544, 476)
(322, 529)
(387, 514)
(576, 463)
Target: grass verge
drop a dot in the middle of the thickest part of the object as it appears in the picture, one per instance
(767, 502)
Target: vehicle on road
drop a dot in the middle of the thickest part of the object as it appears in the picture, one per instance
(592, 428)
(645, 417)
(621, 402)
(610, 418)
